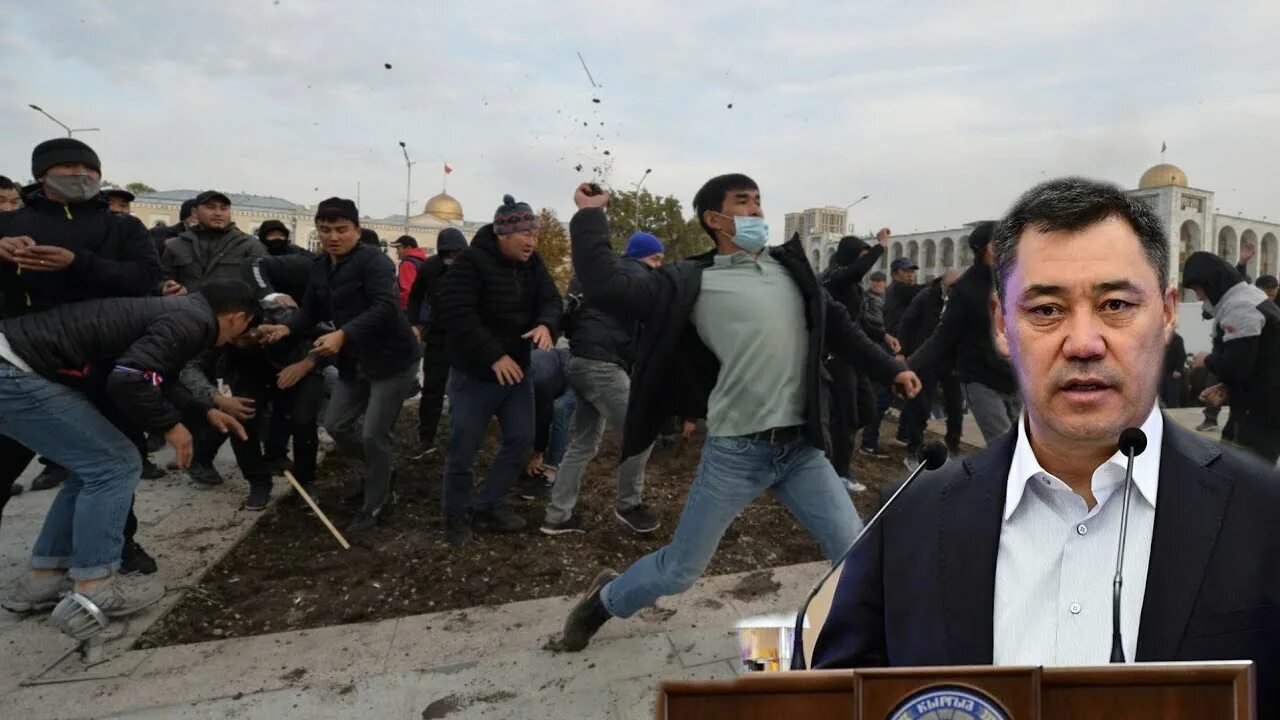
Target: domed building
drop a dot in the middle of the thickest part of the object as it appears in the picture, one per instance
(1190, 215)
(445, 207)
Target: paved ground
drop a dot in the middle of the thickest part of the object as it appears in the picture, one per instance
(485, 662)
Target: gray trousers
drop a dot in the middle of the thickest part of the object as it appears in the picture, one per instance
(602, 390)
(378, 402)
(995, 413)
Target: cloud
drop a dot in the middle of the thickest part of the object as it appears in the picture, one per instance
(942, 113)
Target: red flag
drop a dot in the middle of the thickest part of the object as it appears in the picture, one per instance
(447, 169)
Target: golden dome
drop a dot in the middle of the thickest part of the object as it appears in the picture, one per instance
(445, 207)
(1162, 175)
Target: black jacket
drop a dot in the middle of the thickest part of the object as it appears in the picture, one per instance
(921, 590)
(921, 317)
(286, 274)
(487, 302)
(359, 295)
(675, 371)
(604, 336)
(185, 263)
(426, 289)
(963, 340)
(131, 348)
(114, 256)
(897, 298)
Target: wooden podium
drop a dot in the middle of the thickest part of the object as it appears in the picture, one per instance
(1169, 691)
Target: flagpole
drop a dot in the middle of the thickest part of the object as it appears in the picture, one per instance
(444, 178)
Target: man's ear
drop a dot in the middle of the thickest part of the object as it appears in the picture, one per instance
(997, 325)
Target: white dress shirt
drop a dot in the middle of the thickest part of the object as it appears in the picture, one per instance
(1057, 558)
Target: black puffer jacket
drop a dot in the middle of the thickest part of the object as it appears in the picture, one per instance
(675, 371)
(487, 302)
(131, 348)
(603, 336)
(844, 280)
(185, 262)
(963, 340)
(114, 256)
(360, 296)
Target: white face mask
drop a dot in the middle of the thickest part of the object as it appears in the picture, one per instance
(75, 188)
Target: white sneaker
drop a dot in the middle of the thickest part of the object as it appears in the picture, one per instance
(854, 487)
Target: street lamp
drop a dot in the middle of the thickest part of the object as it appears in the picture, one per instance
(70, 131)
(408, 184)
(636, 214)
(855, 202)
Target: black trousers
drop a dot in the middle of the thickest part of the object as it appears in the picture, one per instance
(915, 412)
(296, 408)
(435, 375)
(1261, 439)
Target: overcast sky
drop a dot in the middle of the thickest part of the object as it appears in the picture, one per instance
(940, 111)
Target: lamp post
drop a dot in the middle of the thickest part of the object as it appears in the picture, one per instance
(408, 184)
(855, 202)
(636, 214)
(70, 130)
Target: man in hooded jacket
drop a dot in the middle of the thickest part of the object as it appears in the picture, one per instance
(1246, 351)
(424, 297)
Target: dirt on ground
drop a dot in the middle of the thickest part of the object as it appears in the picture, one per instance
(289, 573)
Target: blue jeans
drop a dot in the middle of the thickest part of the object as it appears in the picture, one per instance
(733, 472)
(84, 528)
(560, 426)
(472, 403)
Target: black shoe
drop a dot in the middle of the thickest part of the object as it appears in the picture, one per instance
(278, 465)
(874, 452)
(367, 519)
(16, 489)
(531, 487)
(457, 531)
(135, 561)
(638, 519)
(572, 526)
(259, 496)
(424, 449)
(588, 616)
(500, 519)
(1205, 426)
(50, 477)
(150, 470)
(205, 475)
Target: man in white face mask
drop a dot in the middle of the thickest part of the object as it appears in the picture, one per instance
(63, 246)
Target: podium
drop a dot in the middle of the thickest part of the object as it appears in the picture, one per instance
(1169, 691)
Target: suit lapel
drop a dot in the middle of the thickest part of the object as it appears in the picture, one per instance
(969, 514)
(1190, 504)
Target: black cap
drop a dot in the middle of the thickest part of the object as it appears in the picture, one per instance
(405, 241)
(208, 195)
(188, 209)
(336, 208)
(62, 151)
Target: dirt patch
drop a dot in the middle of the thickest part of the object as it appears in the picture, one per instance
(289, 574)
(453, 703)
(294, 675)
(754, 586)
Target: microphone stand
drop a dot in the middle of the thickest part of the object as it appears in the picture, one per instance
(934, 456)
(1117, 648)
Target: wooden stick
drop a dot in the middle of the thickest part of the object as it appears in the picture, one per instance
(316, 509)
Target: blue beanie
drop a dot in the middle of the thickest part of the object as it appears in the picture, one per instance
(642, 245)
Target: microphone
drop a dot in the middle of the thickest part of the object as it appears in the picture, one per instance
(1132, 442)
(932, 456)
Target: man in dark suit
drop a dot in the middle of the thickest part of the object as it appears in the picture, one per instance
(1006, 557)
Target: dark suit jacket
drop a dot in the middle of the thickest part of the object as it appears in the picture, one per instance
(920, 590)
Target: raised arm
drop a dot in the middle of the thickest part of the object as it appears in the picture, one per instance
(605, 285)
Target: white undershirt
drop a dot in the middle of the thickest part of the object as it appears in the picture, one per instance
(1057, 559)
(6, 352)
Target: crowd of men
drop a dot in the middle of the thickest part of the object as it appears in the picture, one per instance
(115, 338)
